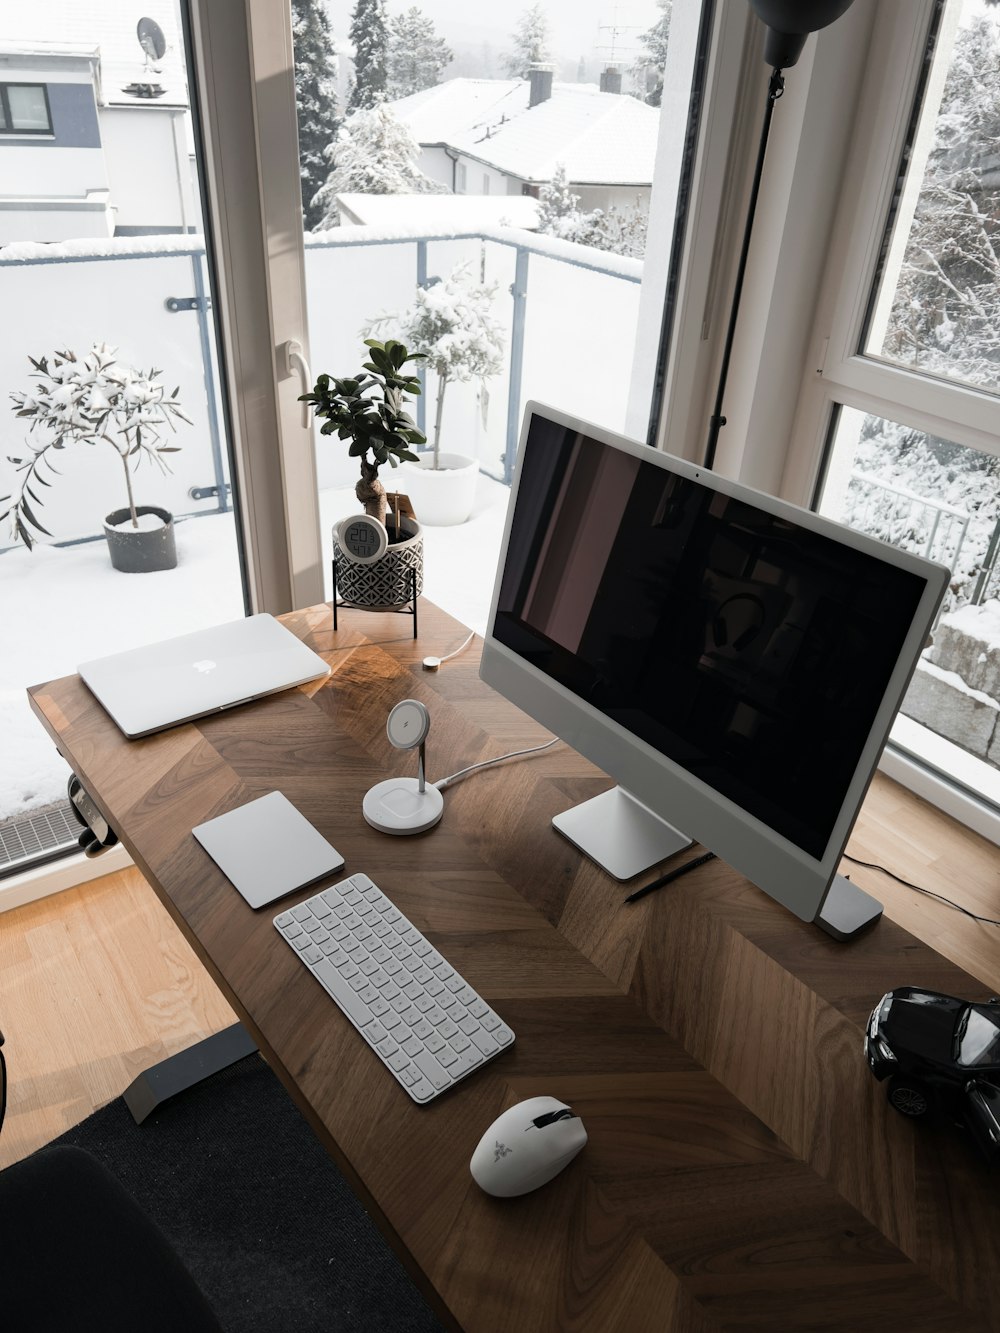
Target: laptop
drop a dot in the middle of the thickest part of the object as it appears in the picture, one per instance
(164, 684)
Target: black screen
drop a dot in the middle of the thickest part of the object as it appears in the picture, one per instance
(748, 649)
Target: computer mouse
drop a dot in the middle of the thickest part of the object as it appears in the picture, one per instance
(526, 1146)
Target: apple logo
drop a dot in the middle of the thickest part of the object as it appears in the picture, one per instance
(204, 666)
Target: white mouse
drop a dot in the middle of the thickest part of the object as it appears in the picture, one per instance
(526, 1146)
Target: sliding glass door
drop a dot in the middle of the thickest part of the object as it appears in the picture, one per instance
(119, 524)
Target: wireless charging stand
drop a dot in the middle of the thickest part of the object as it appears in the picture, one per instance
(399, 805)
(405, 805)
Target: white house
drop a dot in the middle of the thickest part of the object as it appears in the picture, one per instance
(94, 137)
(508, 136)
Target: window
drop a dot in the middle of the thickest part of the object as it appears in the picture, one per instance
(896, 420)
(24, 109)
(96, 312)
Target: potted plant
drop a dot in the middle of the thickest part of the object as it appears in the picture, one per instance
(451, 323)
(97, 400)
(368, 410)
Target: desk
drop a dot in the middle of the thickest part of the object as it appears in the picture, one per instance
(743, 1170)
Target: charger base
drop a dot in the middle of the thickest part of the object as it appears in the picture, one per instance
(399, 806)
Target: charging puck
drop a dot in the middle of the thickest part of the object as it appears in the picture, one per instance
(431, 663)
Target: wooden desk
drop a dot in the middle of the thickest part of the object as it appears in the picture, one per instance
(743, 1170)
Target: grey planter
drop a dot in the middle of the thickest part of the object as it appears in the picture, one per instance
(386, 583)
(141, 552)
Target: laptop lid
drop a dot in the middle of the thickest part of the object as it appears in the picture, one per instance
(163, 684)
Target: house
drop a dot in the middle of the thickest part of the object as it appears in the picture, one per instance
(508, 136)
(94, 135)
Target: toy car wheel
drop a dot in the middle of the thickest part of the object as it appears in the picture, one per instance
(909, 1097)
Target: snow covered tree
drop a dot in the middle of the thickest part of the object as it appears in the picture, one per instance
(655, 41)
(531, 43)
(417, 55)
(374, 154)
(558, 211)
(945, 316)
(452, 323)
(316, 99)
(622, 231)
(369, 33)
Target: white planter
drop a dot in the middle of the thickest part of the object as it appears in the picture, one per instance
(443, 496)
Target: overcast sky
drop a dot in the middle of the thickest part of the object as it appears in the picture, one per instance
(586, 28)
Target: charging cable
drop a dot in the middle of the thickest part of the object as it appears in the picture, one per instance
(485, 763)
(432, 663)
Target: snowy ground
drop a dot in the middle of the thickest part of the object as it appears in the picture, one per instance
(62, 606)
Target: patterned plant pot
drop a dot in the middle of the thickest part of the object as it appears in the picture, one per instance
(386, 583)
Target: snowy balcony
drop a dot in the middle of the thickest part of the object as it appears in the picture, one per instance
(570, 312)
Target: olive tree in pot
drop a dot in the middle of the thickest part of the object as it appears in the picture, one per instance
(97, 400)
(451, 322)
(368, 410)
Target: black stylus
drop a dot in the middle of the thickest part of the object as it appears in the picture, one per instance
(670, 876)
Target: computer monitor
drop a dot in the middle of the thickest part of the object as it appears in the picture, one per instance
(733, 662)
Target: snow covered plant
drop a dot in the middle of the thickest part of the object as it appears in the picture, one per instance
(91, 400)
(368, 410)
(451, 322)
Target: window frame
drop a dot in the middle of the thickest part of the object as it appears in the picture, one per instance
(9, 130)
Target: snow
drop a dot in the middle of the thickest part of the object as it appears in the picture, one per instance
(143, 523)
(64, 605)
(979, 622)
(104, 247)
(436, 211)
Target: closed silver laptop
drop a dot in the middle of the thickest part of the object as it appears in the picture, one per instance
(163, 684)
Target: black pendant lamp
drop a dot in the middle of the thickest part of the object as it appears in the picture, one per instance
(789, 23)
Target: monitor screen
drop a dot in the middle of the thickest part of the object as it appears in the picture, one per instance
(754, 649)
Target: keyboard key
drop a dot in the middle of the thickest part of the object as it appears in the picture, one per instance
(503, 1035)
(484, 1042)
(432, 1071)
(421, 1090)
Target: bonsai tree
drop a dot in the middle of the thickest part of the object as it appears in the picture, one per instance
(451, 323)
(368, 411)
(93, 400)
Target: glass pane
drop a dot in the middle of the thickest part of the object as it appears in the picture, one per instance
(27, 107)
(936, 307)
(940, 500)
(109, 329)
(483, 199)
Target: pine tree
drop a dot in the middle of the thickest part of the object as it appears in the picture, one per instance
(369, 34)
(655, 41)
(417, 55)
(531, 43)
(558, 214)
(374, 154)
(316, 99)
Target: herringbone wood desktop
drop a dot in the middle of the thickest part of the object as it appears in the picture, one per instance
(743, 1169)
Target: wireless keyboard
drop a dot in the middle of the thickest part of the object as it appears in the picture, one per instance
(426, 1024)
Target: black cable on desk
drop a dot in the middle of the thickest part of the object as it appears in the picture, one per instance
(917, 888)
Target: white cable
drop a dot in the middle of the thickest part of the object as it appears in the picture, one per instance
(432, 663)
(485, 763)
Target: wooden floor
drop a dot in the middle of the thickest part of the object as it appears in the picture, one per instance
(96, 983)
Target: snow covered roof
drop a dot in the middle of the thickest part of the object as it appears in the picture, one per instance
(600, 138)
(451, 211)
(110, 29)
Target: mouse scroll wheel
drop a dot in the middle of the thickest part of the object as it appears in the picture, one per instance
(550, 1117)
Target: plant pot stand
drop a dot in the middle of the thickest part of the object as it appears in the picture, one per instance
(407, 608)
(391, 581)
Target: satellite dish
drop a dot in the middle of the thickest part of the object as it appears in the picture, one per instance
(151, 38)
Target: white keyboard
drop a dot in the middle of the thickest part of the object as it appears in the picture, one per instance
(426, 1024)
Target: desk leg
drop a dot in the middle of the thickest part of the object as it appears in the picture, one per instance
(177, 1073)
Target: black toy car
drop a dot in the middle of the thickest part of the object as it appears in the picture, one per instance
(941, 1056)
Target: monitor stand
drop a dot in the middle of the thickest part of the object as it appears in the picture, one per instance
(621, 835)
(847, 910)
